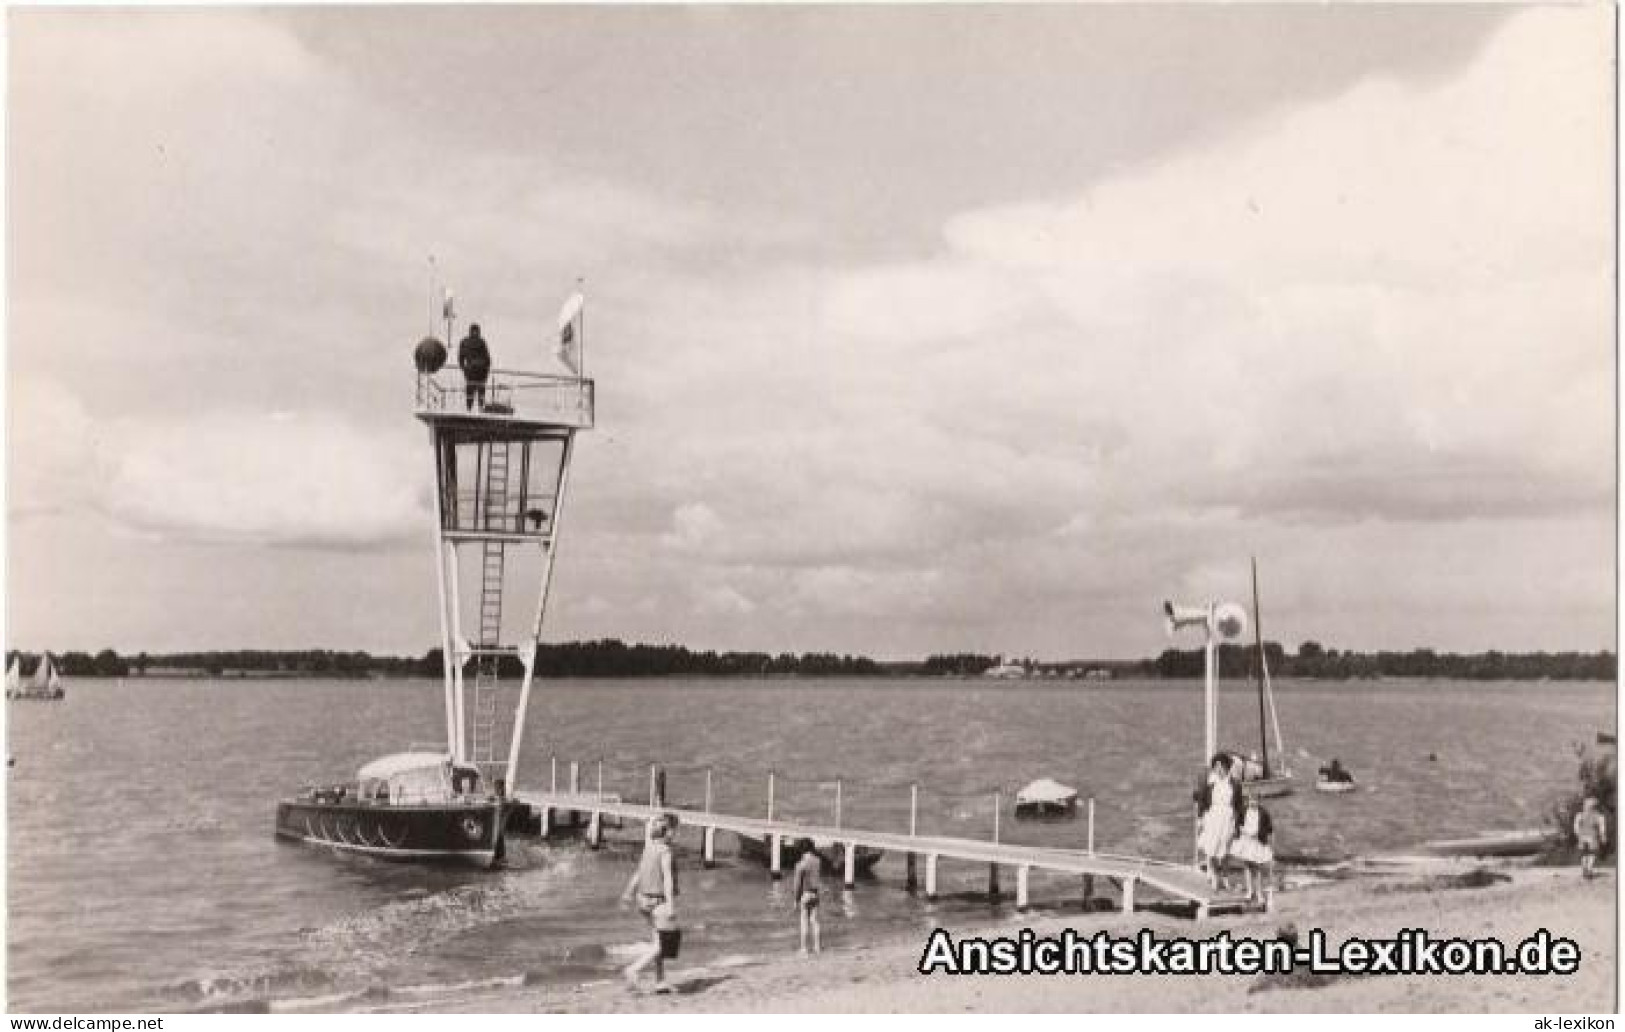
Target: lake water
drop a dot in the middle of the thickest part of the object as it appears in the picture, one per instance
(143, 874)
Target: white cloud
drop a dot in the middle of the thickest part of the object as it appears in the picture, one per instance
(310, 481)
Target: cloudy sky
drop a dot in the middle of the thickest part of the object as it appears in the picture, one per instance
(915, 329)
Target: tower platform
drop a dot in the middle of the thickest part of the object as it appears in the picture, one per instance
(534, 403)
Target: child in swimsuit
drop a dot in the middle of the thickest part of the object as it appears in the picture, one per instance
(804, 890)
(655, 885)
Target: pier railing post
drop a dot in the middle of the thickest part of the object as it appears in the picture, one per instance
(837, 802)
(770, 786)
(575, 777)
(600, 781)
(652, 775)
(1091, 825)
(997, 805)
(913, 809)
(708, 790)
(553, 776)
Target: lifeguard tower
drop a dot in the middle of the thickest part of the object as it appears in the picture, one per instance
(502, 465)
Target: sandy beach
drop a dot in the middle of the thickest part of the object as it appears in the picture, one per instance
(882, 977)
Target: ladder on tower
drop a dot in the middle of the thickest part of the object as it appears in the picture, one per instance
(487, 683)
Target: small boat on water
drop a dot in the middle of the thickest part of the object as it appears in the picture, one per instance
(44, 686)
(1526, 842)
(408, 806)
(1333, 779)
(1266, 776)
(1046, 800)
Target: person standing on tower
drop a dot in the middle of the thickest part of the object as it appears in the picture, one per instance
(475, 360)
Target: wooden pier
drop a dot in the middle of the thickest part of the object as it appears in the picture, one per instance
(589, 811)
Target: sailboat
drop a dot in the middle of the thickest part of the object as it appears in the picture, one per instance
(44, 686)
(1265, 779)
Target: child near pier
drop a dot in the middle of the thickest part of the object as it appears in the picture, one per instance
(804, 891)
(654, 884)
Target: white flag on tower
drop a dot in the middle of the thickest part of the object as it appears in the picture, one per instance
(571, 326)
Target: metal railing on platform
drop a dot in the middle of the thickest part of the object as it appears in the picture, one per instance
(509, 394)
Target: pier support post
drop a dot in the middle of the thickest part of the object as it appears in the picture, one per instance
(775, 866)
(993, 882)
(1128, 894)
(546, 820)
(575, 777)
(595, 830)
(931, 876)
(1021, 888)
(708, 847)
(850, 878)
(911, 882)
(1088, 892)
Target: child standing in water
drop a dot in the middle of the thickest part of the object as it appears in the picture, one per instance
(804, 891)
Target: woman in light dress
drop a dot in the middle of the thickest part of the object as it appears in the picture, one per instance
(1252, 848)
(1220, 801)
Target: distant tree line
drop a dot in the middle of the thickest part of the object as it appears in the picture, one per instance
(610, 657)
(958, 663)
(1315, 661)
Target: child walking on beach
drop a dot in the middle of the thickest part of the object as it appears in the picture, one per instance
(1591, 828)
(804, 891)
(654, 885)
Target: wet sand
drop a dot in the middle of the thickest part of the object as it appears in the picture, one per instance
(882, 977)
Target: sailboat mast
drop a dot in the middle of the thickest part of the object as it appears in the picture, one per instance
(1258, 642)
